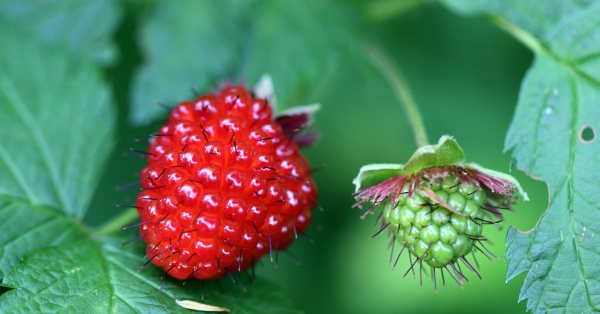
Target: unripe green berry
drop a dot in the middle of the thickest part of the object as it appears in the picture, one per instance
(411, 234)
(431, 233)
(450, 184)
(435, 185)
(421, 248)
(387, 211)
(440, 216)
(459, 223)
(423, 217)
(394, 216)
(435, 263)
(402, 199)
(403, 195)
(448, 234)
(443, 195)
(479, 197)
(462, 246)
(406, 217)
(467, 190)
(442, 252)
(415, 201)
(456, 201)
(471, 228)
(471, 208)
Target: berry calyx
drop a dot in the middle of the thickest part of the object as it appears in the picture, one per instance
(436, 205)
(224, 185)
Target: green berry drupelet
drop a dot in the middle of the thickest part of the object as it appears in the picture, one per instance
(224, 185)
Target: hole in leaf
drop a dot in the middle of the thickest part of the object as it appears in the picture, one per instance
(587, 134)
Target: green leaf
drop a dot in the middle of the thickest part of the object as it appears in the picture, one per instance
(561, 254)
(558, 101)
(536, 18)
(57, 279)
(187, 45)
(26, 227)
(297, 43)
(57, 124)
(381, 10)
(84, 26)
(102, 277)
(195, 44)
(57, 111)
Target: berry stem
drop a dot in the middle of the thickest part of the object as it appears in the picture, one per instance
(391, 72)
(117, 223)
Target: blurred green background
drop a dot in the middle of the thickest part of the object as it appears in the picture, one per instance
(465, 74)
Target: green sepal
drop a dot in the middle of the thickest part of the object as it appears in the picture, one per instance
(446, 152)
(372, 174)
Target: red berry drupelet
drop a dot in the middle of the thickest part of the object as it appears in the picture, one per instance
(225, 184)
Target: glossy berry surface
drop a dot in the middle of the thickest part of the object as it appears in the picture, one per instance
(224, 186)
(431, 232)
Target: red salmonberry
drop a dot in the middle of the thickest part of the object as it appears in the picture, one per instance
(225, 184)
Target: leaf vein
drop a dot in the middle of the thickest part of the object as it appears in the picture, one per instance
(29, 230)
(586, 58)
(37, 293)
(136, 275)
(571, 190)
(109, 277)
(10, 165)
(126, 303)
(39, 140)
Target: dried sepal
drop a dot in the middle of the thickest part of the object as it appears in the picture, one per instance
(294, 121)
(375, 183)
(196, 306)
(378, 193)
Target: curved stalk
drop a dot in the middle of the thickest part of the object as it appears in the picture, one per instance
(117, 223)
(391, 72)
